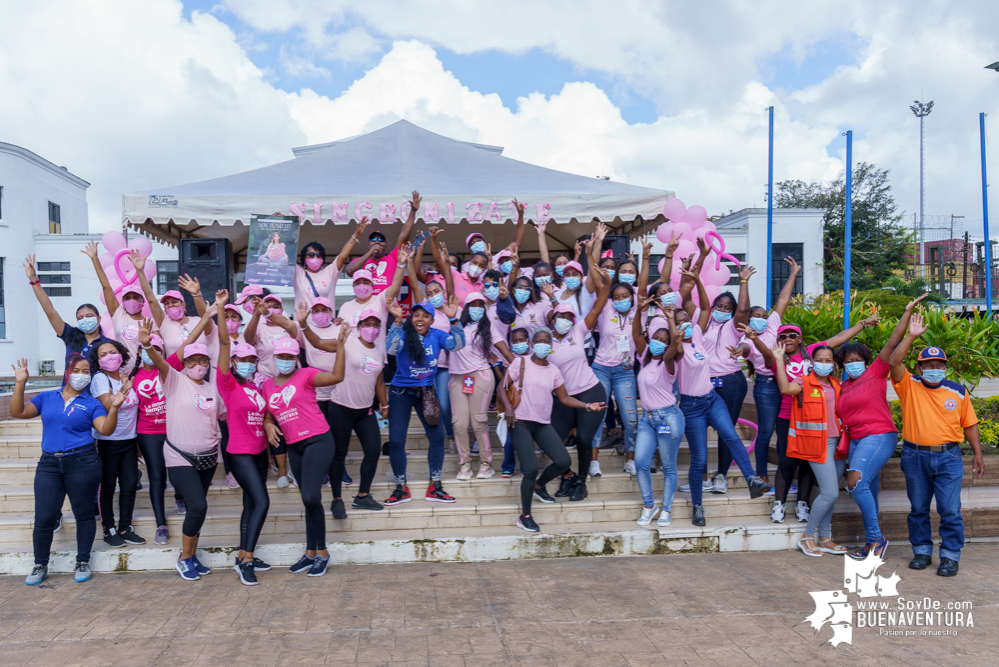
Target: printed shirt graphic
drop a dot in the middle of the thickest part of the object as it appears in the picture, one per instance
(126, 332)
(175, 333)
(317, 358)
(192, 412)
(934, 416)
(246, 407)
(294, 406)
(383, 270)
(152, 402)
(102, 383)
(363, 368)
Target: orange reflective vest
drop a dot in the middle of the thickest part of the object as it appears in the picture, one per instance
(806, 437)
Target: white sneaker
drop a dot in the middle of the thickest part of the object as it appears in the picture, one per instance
(465, 473)
(720, 484)
(684, 488)
(648, 514)
(777, 516)
(664, 519)
(282, 481)
(801, 511)
(629, 467)
(707, 485)
(291, 478)
(595, 469)
(485, 471)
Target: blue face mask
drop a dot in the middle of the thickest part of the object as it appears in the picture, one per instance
(622, 306)
(521, 294)
(437, 300)
(87, 324)
(146, 359)
(611, 273)
(246, 368)
(668, 299)
(627, 278)
(506, 267)
(822, 369)
(491, 293)
(573, 283)
(542, 350)
(478, 246)
(687, 328)
(542, 280)
(476, 313)
(656, 347)
(934, 375)
(519, 348)
(560, 269)
(855, 369)
(719, 316)
(758, 324)
(284, 366)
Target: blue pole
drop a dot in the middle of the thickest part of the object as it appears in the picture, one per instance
(985, 215)
(770, 214)
(847, 237)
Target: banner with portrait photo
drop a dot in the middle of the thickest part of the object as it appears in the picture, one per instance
(272, 250)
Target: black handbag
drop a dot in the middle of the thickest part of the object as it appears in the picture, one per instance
(203, 461)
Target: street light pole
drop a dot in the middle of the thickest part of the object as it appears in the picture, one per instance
(848, 232)
(921, 111)
(770, 213)
(985, 215)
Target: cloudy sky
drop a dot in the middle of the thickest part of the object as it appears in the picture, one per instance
(141, 95)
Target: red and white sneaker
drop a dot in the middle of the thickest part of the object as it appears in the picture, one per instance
(399, 496)
(436, 494)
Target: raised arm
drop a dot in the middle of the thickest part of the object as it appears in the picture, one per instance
(675, 349)
(342, 259)
(643, 272)
(110, 298)
(359, 262)
(18, 408)
(784, 298)
(917, 327)
(636, 325)
(899, 332)
(199, 328)
(598, 306)
(787, 388)
(259, 310)
(847, 334)
(145, 339)
(754, 339)
(407, 227)
(542, 241)
(741, 315)
(139, 262)
(392, 291)
(55, 319)
(225, 345)
(325, 379)
(414, 266)
(193, 287)
(686, 283)
(518, 233)
(596, 242)
(456, 337)
(705, 315)
(324, 344)
(448, 273)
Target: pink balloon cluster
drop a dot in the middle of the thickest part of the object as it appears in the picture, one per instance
(121, 271)
(687, 225)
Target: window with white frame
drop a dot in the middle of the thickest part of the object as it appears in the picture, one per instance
(55, 278)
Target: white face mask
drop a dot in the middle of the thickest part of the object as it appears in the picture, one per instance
(79, 381)
(563, 325)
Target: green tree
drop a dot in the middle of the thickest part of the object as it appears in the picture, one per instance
(879, 241)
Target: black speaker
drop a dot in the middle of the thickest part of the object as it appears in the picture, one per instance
(210, 261)
(619, 244)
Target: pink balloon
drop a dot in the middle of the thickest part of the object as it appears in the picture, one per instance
(150, 269)
(106, 259)
(715, 276)
(663, 233)
(107, 327)
(114, 241)
(661, 263)
(682, 230)
(707, 226)
(696, 215)
(116, 284)
(712, 291)
(674, 210)
(683, 249)
(142, 244)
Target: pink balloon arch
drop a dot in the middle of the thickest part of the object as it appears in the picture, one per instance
(120, 270)
(686, 225)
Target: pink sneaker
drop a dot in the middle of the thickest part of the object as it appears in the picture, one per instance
(230, 481)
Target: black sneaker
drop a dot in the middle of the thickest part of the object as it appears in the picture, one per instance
(399, 496)
(319, 566)
(259, 565)
(920, 562)
(437, 494)
(247, 574)
(541, 494)
(385, 449)
(367, 502)
(339, 511)
(697, 518)
(130, 536)
(565, 486)
(579, 492)
(113, 539)
(948, 567)
(304, 563)
(757, 487)
(527, 523)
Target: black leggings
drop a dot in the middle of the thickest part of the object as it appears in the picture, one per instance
(524, 435)
(193, 485)
(310, 461)
(585, 422)
(224, 445)
(151, 445)
(250, 470)
(120, 463)
(364, 423)
(787, 466)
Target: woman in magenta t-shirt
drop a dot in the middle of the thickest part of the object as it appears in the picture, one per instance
(530, 423)
(293, 417)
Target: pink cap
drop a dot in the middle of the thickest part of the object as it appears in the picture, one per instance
(572, 265)
(564, 307)
(244, 350)
(275, 298)
(322, 301)
(500, 256)
(474, 296)
(172, 294)
(156, 341)
(657, 323)
(131, 289)
(368, 312)
(248, 292)
(362, 274)
(788, 327)
(468, 241)
(195, 349)
(286, 346)
(233, 308)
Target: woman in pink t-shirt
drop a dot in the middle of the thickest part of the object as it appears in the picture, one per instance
(312, 279)
(294, 418)
(530, 423)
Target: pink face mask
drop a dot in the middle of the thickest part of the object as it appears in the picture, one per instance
(132, 306)
(370, 334)
(314, 263)
(111, 362)
(232, 326)
(174, 312)
(363, 290)
(276, 311)
(248, 307)
(322, 320)
(197, 372)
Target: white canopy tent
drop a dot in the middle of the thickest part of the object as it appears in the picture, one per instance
(464, 186)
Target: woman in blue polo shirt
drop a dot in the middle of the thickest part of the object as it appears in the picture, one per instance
(69, 464)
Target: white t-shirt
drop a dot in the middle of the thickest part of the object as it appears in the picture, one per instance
(128, 413)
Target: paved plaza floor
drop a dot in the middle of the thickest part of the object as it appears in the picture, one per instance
(698, 609)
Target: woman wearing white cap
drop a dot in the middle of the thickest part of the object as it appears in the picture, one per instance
(293, 417)
(312, 279)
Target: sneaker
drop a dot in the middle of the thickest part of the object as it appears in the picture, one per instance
(247, 574)
(436, 494)
(304, 563)
(527, 523)
(771, 492)
(274, 468)
(757, 487)
(697, 518)
(595, 469)
(542, 494)
(291, 478)
(259, 565)
(450, 445)
(707, 485)
(485, 471)
(162, 535)
(465, 473)
(230, 481)
(39, 573)
(506, 474)
(801, 511)
(338, 510)
(565, 485)
(58, 525)
(684, 488)
(794, 489)
(347, 479)
(113, 539)
(400, 495)
(181, 506)
(202, 570)
(130, 536)
(81, 572)
(720, 484)
(319, 566)
(187, 570)
(579, 492)
(326, 480)
(475, 449)
(629, 467)
(367, 502)
(648, 514)
(665, 518)
(282, 481)
(777, 516)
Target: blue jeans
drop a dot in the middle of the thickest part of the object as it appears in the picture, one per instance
(668, 444)
(699, 413)
(622, 382)
(868, 456)
(939, 474)
(733, 394)
(767, 397)
(444, 396)
(78, 477)
(402, 402)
